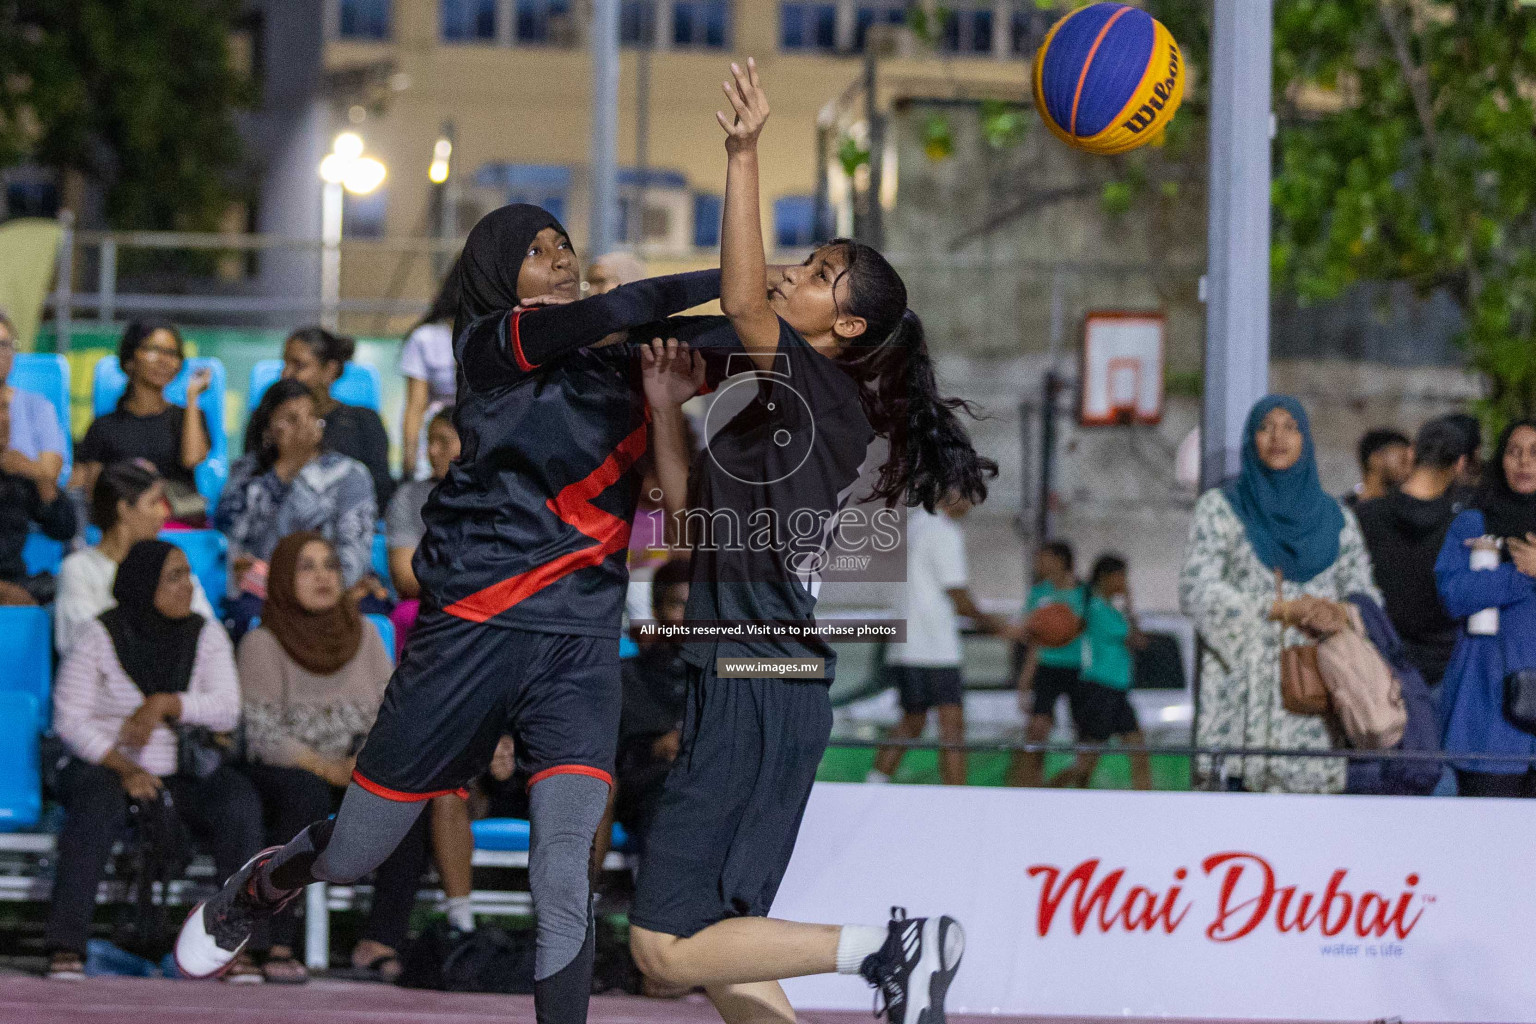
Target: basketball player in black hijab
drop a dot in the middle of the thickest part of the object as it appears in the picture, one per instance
(523, 575)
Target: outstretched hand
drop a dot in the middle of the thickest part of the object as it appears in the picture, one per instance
(750, 105)
(670, 372)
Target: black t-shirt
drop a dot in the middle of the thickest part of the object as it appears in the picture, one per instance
(357, 432)
(530, 527)
(765, 493)
(1404, 535)
(20, 507)
(120, 435)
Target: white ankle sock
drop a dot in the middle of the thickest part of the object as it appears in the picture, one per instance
(855, 943)
(876, 775)
(460, 914)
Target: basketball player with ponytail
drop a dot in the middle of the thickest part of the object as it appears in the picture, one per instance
(839, 360)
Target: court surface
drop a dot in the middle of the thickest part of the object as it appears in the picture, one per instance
(123, 1000)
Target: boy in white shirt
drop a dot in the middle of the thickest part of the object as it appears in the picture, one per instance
(927, 666)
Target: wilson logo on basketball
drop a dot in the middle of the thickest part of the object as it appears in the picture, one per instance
(1161, 92)
(1248, 896)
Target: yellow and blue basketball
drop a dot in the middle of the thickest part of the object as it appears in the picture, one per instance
(1108, 78)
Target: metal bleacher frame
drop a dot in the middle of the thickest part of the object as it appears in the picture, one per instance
(25, 875)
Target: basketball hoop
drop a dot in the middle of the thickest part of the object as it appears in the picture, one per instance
(1122, 369)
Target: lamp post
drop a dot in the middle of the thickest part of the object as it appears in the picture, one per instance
(344, 169)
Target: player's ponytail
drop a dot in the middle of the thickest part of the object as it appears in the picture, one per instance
(931, 454)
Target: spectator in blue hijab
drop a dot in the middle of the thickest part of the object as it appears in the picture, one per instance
(1274, 519)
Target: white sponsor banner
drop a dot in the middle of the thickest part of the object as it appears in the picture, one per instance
(1187, 904)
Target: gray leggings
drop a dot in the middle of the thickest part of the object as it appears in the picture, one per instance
(565, 812)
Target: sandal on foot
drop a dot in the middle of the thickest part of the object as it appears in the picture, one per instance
(243, 971)
(284, 970)
(66, 965)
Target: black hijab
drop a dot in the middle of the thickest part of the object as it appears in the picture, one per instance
(493, 256)
(1505, 513)
(157, 652)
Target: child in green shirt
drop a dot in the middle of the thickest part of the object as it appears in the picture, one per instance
(1100, 705)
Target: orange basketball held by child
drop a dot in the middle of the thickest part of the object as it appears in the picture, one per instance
(1108, 78)
(1053, 625)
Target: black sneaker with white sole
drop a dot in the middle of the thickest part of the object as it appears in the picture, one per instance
(911, 973)
(217, 929)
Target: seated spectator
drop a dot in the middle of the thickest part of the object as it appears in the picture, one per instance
(1404, 532)
(610, 270)
(146, 426)
(651, 716)
(127, 505)
(1472, 694)
(431, 376)
(36, 446)
(140, 670)
(1385, 460)
(404, 527)
(313, 675)
(316, 358)
(28, 495)
(287, 484)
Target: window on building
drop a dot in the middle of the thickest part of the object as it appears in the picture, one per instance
(707, 211)
(1028, 26)
(469, 20)
(805, 26)
(546, 185)
(31, 196)
(637, 23)
(794, 221)
(704, 24)
(876, 12)
(550, 22)
(364, 19)
(967, 30)
(363, 216)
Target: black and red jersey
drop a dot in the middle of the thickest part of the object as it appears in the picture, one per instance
(530, 527)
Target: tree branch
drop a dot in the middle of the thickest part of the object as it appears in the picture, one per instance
(1418, 81)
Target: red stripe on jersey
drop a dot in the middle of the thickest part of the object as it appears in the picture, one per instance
(574, 506)
(517, 343)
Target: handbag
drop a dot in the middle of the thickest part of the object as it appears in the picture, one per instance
(200, 751)
(186, 504)
(1366, 696)
(1520, 699)
(1302, 690)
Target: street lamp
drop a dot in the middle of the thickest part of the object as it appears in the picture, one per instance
(344, 169)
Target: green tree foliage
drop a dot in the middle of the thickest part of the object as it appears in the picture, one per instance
(137, 96)
(1425, 172)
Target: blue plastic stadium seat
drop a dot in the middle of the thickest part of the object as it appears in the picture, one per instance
(358, 384)
(386, 632)
(108, 383)
(42, 553)
(512, 834)
(47, 374)
(627, 647)
(208, 553)
(21, 789)
(500, 834)
(26, 653)
(381, 561)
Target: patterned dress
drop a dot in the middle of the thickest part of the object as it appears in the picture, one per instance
(1228, 592)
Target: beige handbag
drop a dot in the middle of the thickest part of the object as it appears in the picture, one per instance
(1366, 695)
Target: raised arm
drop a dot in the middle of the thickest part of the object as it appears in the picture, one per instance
(501, 347)
(672, 374)
(743, 268)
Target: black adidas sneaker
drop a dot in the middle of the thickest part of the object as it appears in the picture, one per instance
(912, 971)
(217, 929)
